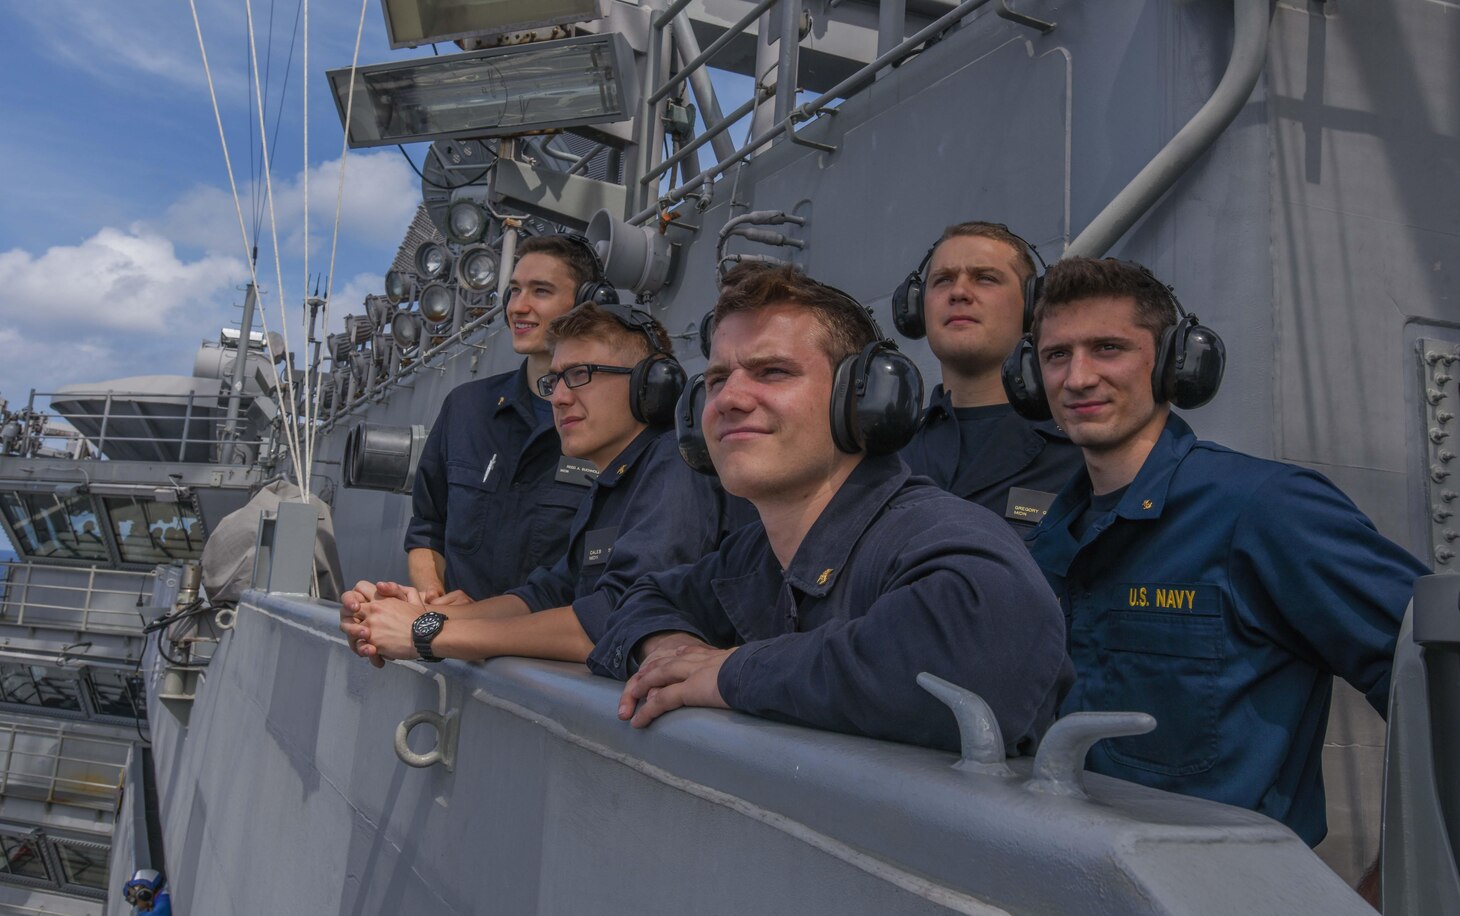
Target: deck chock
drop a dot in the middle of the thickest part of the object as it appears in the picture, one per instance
(978, 730)
(1059, 765)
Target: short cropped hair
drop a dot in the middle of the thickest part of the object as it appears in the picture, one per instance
(846, 328)
(572, 255)
(590, 321)
(1072, 279)
(998, 232)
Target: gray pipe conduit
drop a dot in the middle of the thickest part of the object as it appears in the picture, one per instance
(1249, 53)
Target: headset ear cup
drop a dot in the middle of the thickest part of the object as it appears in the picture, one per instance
(655, 386)
(707, 332)
(689, 432)
(1032, 288)
(907, 307)
(1161, 373)
(843, 402)
(888, 399)
(597, 291)
(1023, 383)
(1201, 361)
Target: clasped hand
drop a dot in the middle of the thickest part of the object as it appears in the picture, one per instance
(678, 670)
(376, 618)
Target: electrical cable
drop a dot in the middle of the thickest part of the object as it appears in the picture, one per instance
(441, 187)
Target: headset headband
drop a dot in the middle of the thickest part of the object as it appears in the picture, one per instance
(636, 320)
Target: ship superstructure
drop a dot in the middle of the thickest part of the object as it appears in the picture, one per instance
(1285, 165)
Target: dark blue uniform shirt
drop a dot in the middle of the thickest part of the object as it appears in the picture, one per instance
(895, 577)
(487, 495)
(1017, 453)
(645, 513)
(1220, 595)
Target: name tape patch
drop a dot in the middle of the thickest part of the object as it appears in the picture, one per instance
(598, 546)
(576, 471)
(1028, 505)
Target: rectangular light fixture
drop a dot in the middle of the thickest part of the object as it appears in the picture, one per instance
(588, 79)
(410, 23)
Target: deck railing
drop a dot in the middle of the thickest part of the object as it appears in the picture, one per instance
(51, 605)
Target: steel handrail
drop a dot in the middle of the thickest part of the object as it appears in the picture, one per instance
(811, 109)
(664, 89)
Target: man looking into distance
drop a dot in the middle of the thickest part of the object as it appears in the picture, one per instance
(488, 505)
(974, 304)
(855, 579)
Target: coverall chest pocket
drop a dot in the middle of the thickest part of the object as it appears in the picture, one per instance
(550, 509)
(1168, 664)
(470, 498)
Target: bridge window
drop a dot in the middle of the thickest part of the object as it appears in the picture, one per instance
(23, 857)
(51, 525)
(111, 695)
(82, 864)
(148, 531)
(33, 685)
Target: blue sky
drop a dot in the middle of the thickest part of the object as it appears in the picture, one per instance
(120, 248)
(119, 243)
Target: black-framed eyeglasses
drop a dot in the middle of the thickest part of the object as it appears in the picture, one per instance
(575, 377)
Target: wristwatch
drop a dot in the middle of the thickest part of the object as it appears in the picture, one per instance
(424, 629)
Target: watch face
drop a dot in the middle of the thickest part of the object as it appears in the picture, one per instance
(427, 624)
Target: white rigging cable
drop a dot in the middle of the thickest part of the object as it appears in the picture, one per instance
(288, 412)
(284, 408)
(308, 466)
(339, 194)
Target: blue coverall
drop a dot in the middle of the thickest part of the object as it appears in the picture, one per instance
(1221, 595)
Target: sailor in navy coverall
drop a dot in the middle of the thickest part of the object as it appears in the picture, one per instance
(489, 505)
(855, 579)
(488, 497)
(970, 442)
(894, 578)
(646, 510)
(1216, 591)
(994, 457)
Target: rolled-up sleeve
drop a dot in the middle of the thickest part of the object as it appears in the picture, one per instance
(427, 527)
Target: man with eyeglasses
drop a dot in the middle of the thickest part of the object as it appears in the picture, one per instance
(489, 504)
(645, 511)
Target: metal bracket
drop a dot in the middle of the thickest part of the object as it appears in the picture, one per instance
(978, 730)
(443, 753)
(798, 114)
(1059, 765)
(284, 549)
(1038, 25)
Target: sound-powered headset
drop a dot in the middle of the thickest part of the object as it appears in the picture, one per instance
(907, 299)
(876, 399)
(1190, 360)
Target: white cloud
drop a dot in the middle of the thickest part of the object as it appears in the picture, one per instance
(381, 195)
(349, 298)
(128, 279)
(159, 39)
